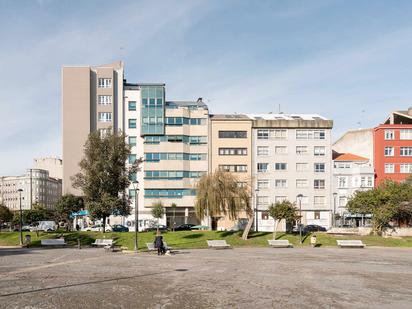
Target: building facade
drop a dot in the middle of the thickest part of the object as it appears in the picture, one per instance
(292, 156)
(356, 141)
(393, 147)
(37, 187)
(53, 165)
(351, 173)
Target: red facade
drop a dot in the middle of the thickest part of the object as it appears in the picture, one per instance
(398, 153)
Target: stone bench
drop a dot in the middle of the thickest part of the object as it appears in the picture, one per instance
(53, 242)
(350, 243)
(279, 243)
(218, 244)
(103, 242)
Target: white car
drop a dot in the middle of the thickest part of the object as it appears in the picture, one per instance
(98, 228)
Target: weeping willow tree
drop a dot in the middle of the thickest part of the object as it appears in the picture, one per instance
(219, 194)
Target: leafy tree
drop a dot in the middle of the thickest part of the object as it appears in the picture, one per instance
(219, 194)
(68, 204)
(38, 213)
(104, 176)
(5, 215)
(284, 210)
(158, 212)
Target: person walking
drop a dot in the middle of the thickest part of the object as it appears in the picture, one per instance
(158, 243)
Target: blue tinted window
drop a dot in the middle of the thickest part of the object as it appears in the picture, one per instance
(132, 105)
(132, 123)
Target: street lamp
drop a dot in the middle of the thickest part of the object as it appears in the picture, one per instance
(256, 209)
(300, 196)
(136, 213)
(21, 218)
(334, 209)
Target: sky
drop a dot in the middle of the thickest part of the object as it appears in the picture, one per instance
(347, 60)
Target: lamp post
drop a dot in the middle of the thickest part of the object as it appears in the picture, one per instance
(21, 218)
(136, 214)
(334, 209)
(300, 196)
(256, 209)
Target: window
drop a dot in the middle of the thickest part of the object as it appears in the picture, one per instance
(406, 152)
(105, 117)
(262, 150)
(301, 150)
(342, 182)
(105, 82)
(316, 215)
(406, 134)
(281, 150)
(319, 184)
(233, 151)
(302, 183)
(132, 158)
(370, 181)
(318, 200)
(389, 152)
(104, 132)
(105, 99)
(263, 184)
(232, 134)
(319, 167)
(310, 134)
(280, 166)
(363, 182)
(132, 141)
(132, 105)
(262, 201)
(389, 134)
(280, 199)
(301, 167)
(389, 168)
(262, 167)
(342, 201)
(132, 123)
(265, 215)
(263, 134)
(133, 177)
(406, 168)
(233, 168)
(319, 151)
(280, 183)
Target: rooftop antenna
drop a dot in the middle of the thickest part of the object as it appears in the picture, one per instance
(361, 118)
(279, 108)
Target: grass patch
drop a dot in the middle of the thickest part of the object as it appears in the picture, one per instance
(197, 239)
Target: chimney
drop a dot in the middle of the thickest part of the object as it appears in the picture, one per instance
(410, 111)
(199, 100)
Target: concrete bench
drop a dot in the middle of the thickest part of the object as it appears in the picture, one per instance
(53, 242)
(103, 243)
(218, 244)
(151, 247)
(280, 243)
(350, 243)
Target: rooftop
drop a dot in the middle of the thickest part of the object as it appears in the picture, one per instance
(349, 157)
(198, 103)
(270, 116)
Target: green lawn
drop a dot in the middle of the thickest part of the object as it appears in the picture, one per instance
(197, 239)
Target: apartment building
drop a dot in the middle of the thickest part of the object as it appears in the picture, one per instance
(230, 150)
(292, 156)
(351, 173)
(358, 141)
(51, 164)
(37, 186)
(92, 100)
(393, 147)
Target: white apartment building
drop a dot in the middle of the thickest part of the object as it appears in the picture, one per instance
(51, 164)
(37, 187)
(351, 173)
(292, 156)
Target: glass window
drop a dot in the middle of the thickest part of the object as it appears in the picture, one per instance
(406, 134)
(406, 168)
(342, 182)
(105, 117)
(262, 201)
(406, 152)
(280, 199)
(232, 134)
(302, 183)
(301, 150)
(263, 184)
(132, 105)
(280, 183)
(281, 150)
(132, 158)
(132, 123)
(319, 184)
(280, 166)
(265, 215)
(319, 151)
(319, 167)
(262, 150)
(132, 140)
(389, 152)
(263, 134)
(389, 134)
(319, 200)
(310, 134)
(105, 99)
(262, 167)
(389, 168)
(105, 83)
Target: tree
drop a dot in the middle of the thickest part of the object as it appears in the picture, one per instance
(284, 210)
(219, 194)
(158, 212)
(104, 176)
(5, 215)
(67, 205)
(173, 206)
(38, 213)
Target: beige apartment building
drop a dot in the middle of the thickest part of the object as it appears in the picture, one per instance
(52, 164)
(37, 186)
(92, 99)
(230, 149)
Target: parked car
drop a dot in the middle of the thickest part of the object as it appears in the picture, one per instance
(119, 228)
(98, 228)
(314, 228)
(47, 226)
(200, 227)
(25, 228)
(295, 229)
(184, 227)
(162, 228)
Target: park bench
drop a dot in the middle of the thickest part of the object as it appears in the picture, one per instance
(350, 243)
(103, 242)
(279, 243)
(53, 242)
(150, 246)
(218, 244)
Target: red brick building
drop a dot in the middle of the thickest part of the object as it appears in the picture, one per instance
(392, 142)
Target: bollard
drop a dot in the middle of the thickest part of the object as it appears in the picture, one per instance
(313, 241)
(27, 240)
(79, 246)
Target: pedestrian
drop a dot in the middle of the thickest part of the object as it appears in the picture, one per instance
(77, 227)
(158, 243)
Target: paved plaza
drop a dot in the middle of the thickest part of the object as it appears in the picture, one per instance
(233, 278)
